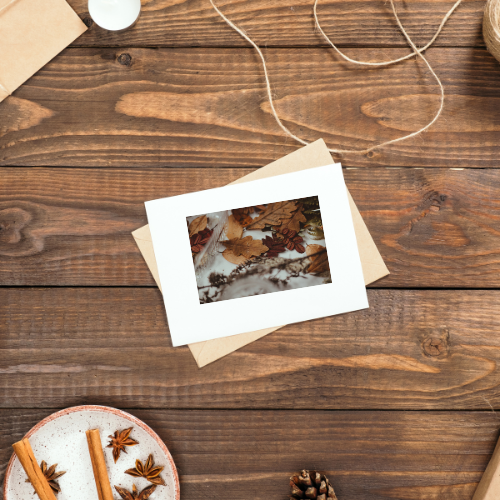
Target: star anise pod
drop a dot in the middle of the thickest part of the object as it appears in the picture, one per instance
(134, 495)
(51, 475)
(291, 240)
(119, 441)
(151, 473)
(275, 245)
(199, 240)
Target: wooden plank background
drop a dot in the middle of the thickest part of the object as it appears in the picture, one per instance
(395, 402)
(189, 107)
(412, 349)
(372, 455)
(191, 23)
(433, 227)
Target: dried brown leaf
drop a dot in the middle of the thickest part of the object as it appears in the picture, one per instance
(240, 250)
(275, 245)
(241, 215)
(230, 257)
(251, 210)
(319, 259)
(293, 223)
(273, 215)
(233, 229)
(199, 224)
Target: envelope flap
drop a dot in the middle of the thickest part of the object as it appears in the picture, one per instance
(372, 263)
(142, 237)
(206, 352)
(143, 233)
(312, 156)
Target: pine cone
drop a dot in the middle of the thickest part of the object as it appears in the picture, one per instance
(311, 484)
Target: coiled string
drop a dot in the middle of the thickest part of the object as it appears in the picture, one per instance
(416, 51)
(491, 27)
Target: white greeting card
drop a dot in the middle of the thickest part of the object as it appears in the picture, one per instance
(257, 255)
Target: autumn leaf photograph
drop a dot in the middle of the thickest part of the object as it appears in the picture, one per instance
(259, 249)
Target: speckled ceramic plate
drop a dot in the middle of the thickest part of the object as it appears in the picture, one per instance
(61, 439)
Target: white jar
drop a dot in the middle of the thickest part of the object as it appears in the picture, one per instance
(115, 15)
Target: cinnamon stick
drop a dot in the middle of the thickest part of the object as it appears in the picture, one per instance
(27, 458)
(104, 491)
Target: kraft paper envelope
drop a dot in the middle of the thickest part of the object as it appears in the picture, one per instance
(32, 32)
(489, 486)
(314, 155)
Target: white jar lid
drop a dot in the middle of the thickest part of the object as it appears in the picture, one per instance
(114, 15)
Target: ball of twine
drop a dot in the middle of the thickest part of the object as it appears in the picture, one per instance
(491, 27)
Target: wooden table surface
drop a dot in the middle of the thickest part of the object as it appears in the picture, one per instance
(394, 402)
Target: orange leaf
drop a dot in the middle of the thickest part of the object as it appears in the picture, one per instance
(233, 228)
(230, 257)
(294, 222)
(273, 215)
(199, 224)
(240, 250)
(241, 215)
(319, 262)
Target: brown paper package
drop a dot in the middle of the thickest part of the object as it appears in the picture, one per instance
(314, 155)
(32, 32)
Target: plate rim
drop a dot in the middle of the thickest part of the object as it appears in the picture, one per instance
(106, 409)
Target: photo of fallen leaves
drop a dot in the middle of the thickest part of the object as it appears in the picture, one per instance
(260, 249)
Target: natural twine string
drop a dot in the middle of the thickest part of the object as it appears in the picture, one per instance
(491, 27)
(416, 51)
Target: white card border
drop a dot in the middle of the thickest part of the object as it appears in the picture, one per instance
(189, 321)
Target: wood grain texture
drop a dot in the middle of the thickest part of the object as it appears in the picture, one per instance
(177, 23)
(429, 349)
(208, 107)
(433, 227)
(367, 455)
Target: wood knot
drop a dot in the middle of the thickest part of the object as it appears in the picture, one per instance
(436, 346)
(435, 342)
(88, 21)
(370, 154)
(435, 199)
(16, 239)
(12, 223)
(125, 59)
